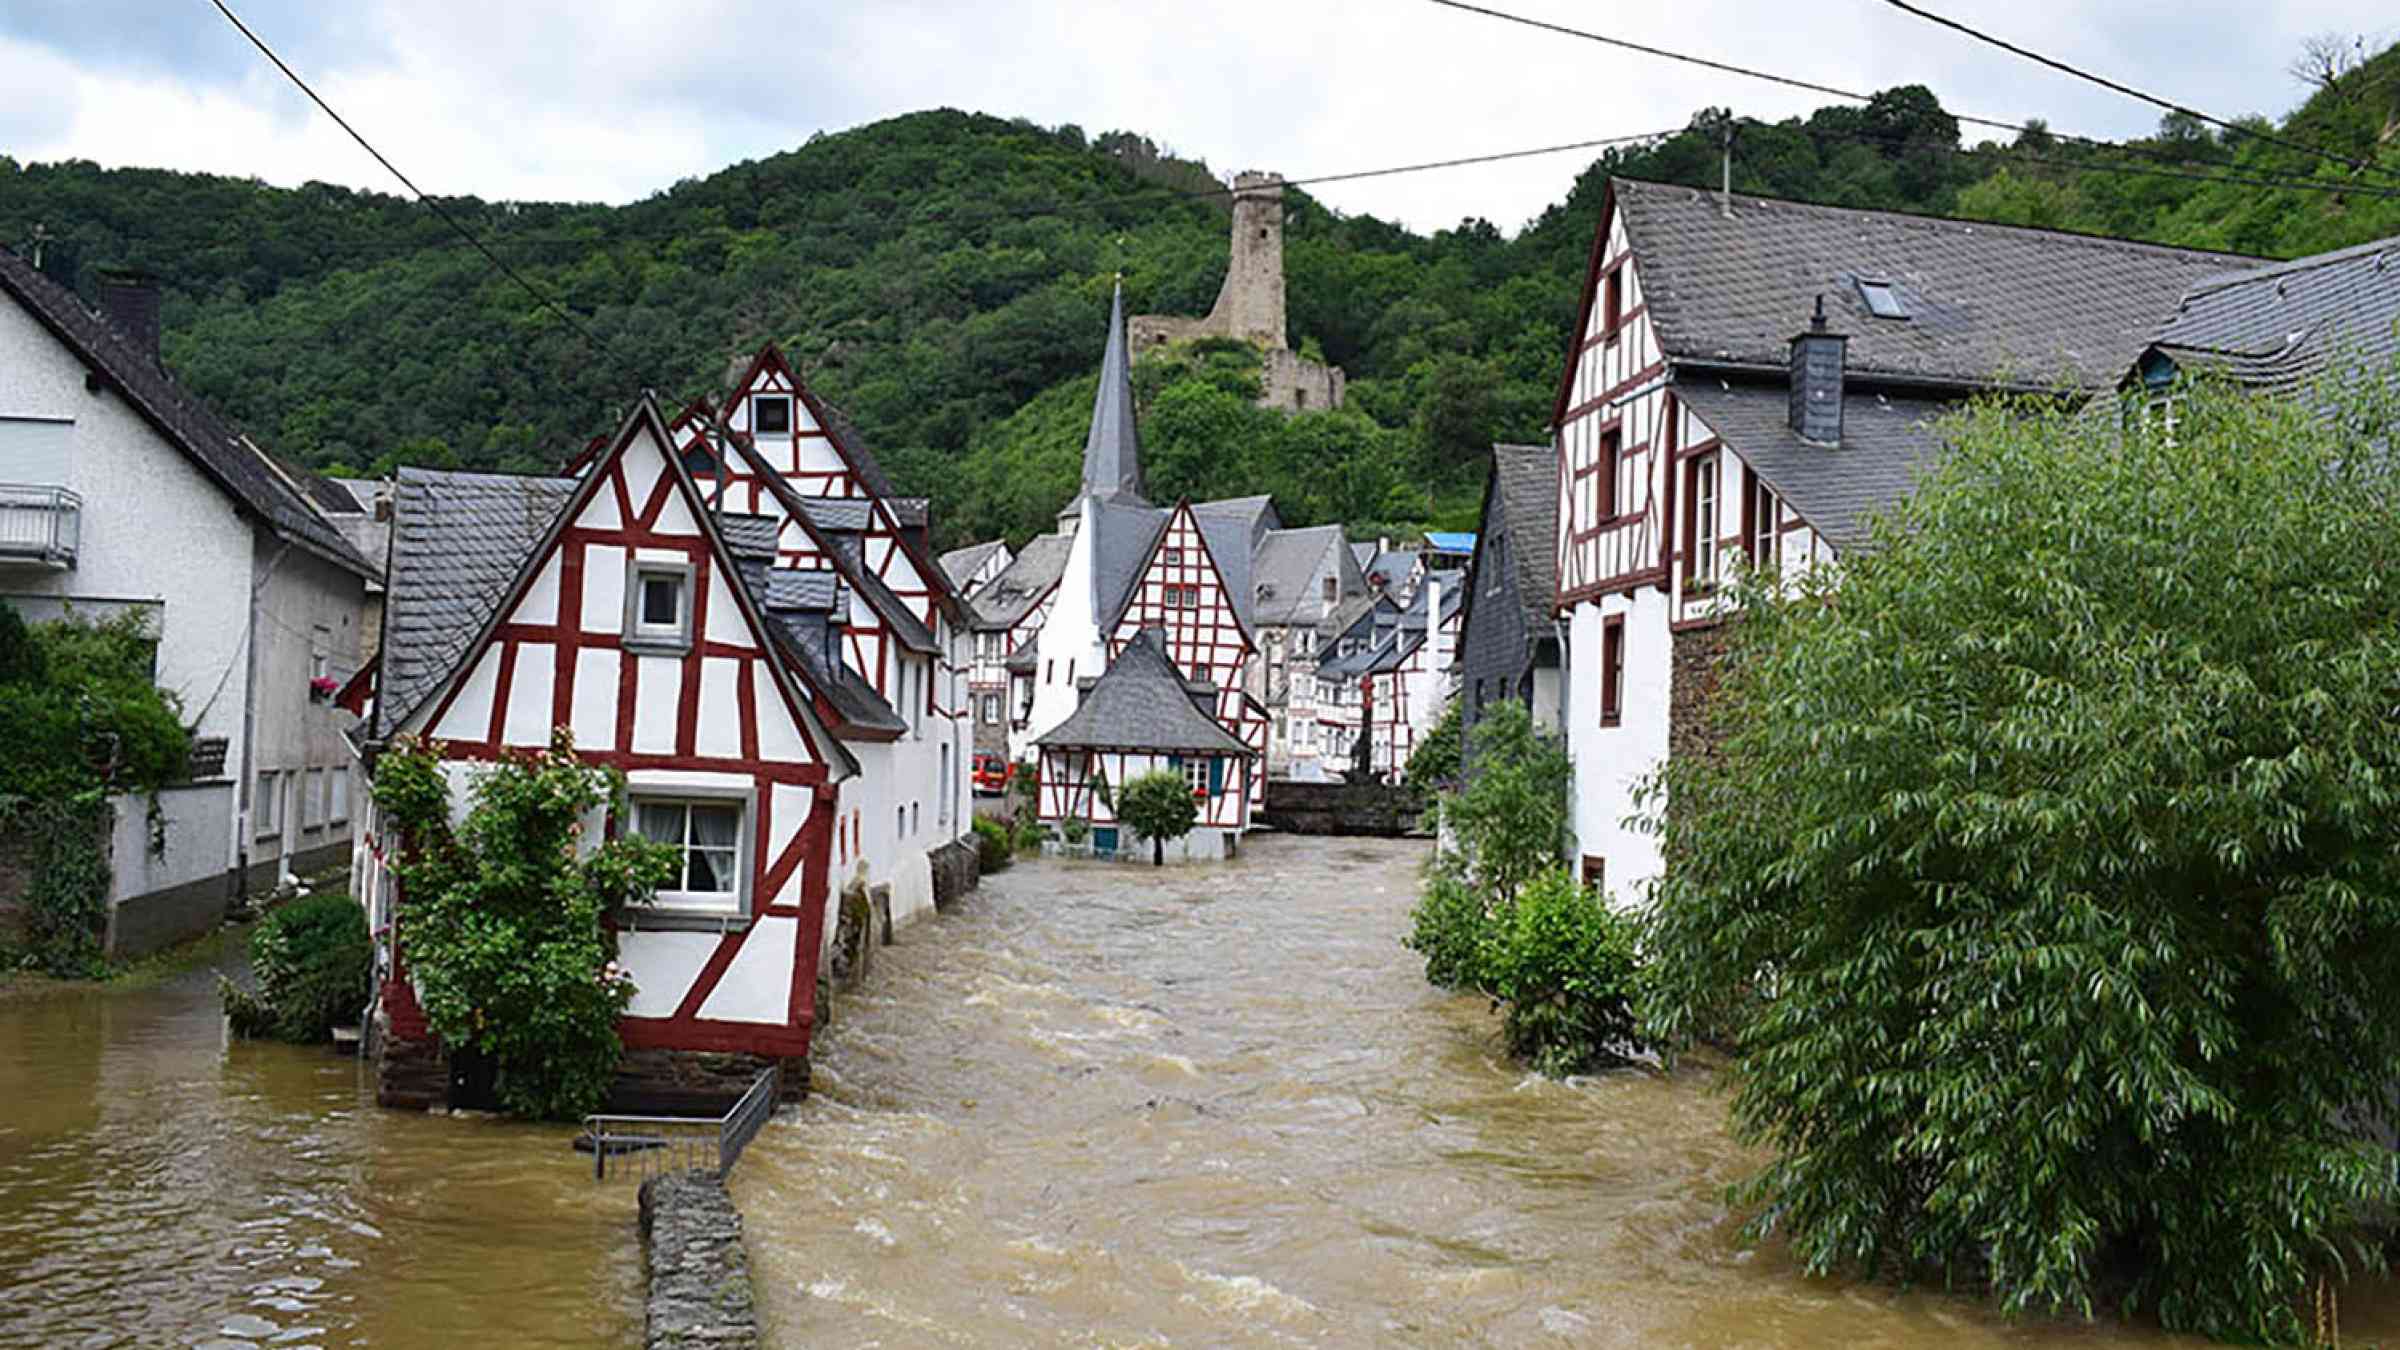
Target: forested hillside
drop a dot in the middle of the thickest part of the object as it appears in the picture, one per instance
(943, 277)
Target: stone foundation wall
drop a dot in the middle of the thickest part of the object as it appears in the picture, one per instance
(699, 1285)
(410, 1075)
(957, 869)
(1341, 808)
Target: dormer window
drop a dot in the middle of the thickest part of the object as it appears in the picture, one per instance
(1883, 299)
(771, 415)
(658, 607)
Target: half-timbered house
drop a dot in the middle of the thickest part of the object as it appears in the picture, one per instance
(614, 604)
(1144, 714)
(1006, 614)
(970, 567)
(1749, 381)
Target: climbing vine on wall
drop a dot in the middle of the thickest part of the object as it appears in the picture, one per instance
(79, 721)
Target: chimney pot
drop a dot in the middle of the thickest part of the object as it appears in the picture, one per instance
(130, 300)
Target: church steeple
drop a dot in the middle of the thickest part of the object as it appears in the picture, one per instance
(1112, 451)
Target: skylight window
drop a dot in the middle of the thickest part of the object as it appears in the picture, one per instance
(1883, 299)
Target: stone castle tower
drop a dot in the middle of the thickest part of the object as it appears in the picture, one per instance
(1250, 305)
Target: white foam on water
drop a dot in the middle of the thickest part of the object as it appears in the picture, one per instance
(1241, 1293)
(874, 1228)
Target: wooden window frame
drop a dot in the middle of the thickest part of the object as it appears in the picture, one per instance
(1612, 301)
(1612, 670)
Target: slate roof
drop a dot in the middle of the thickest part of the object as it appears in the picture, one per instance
(1112, 448)
(1394, 564)
(1286, 567)
(1886, 443)
(748, 536)
(2281, 324)
(1028, 577)
(961, 563)
(800, 609)
(458, 541)
(2039, 307)
(1141, 703)
(211, 442)
(845, 433)
(1363, 553)
(842, 546)
(1123, 533)
(851, 515)
(1526, 477)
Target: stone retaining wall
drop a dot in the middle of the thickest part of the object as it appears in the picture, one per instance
(1341, 808)
(957, 869)
(699, 1292)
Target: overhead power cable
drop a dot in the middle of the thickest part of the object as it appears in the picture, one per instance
(2118, 86)
(540, 296)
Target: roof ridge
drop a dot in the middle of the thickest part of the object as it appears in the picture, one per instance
(2077, 237)
(2292, 266)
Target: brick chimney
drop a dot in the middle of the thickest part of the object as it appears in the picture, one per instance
(1817, 358)
(130, 300)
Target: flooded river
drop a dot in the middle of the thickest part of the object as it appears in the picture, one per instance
(1109, 1106)
(1095, 1106)
(162, 1185)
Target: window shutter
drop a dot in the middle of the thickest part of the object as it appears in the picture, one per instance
(1216, 774)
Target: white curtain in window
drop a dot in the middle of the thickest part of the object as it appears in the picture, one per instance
(716, 830)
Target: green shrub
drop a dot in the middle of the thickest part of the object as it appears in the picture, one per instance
(2050, 869)
(1563, 965)
(313, 962)
(1447, 928)
(1158, 806)
(502, 929)
(993, 846)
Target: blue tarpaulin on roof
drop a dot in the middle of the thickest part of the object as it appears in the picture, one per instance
(1450, 541)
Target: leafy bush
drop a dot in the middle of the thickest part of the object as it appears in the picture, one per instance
(79, 720)
(1447, 928)
(1508, 821)
(313, 962)
(1157, 806)
(994, 845)
(1563, 963)
(501, 928)
(2050, 880)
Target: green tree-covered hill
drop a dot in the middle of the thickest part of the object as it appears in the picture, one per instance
(943, 276)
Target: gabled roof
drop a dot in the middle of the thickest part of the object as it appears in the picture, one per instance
(214, 445)
(959, 564)
(1112, 448)
(2279, 325)
(1123, 535)
(1286, 563)
(1021, 585)
(802, 611)
(458, 542)
(1362, 552)
(485, 527)
(1142, 703)
(1989, 304)
(1525, 493)
(1393, 565)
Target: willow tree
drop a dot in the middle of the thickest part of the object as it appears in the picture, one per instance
(2048, 885)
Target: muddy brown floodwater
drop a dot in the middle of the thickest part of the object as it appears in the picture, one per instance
(1113, 1106)
(164, 1185)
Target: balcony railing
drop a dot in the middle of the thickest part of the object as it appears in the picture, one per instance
(42, 525)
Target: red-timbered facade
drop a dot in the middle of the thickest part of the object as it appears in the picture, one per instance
(628, 625)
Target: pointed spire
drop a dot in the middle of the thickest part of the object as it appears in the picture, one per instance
(1112, 451)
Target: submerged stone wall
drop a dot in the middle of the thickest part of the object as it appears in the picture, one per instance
(1341, 808)
(700, 1293)
(957, 869)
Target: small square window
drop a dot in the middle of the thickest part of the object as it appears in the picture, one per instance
(707, 838)
(658, 606)
(1883, 299)
(771, 416)
(1174, 557)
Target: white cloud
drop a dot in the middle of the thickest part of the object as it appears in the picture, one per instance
(613, 99)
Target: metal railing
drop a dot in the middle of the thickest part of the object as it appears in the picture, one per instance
(44, 524)
(648, 1146)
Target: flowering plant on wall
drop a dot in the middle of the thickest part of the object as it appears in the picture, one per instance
(323, 687)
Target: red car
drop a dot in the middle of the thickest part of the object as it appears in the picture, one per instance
(992, 772)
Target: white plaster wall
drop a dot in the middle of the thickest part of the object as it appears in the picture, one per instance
(1069, 646)
(197, 818)
(1609, 761)
(304, 601)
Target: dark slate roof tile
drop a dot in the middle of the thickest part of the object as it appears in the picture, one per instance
(1141, 703)
(1527, 477)
(458, 542)
(1886, 444)
(1989, 303)
(1284, 568)
(2280, 325)
(1021, 585)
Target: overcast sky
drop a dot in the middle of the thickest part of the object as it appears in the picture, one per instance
(616, 99)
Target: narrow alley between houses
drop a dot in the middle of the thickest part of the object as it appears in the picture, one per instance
(1102, 1105)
